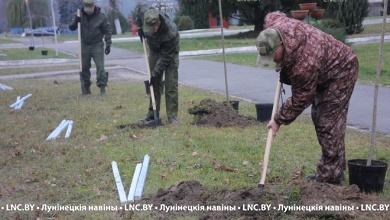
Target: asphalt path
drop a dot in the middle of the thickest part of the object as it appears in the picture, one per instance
(250, 83)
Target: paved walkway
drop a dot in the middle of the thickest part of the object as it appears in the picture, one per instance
(246, 82)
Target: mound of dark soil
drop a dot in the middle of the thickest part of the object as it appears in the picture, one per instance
(321, 200)
(214, 114)
(210, 204)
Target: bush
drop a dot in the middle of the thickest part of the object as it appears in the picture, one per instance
(177, 19)
(351, 14)
(331, 23)
(337, 33)
(185, 23)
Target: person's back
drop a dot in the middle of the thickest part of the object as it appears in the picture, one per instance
(322, 72)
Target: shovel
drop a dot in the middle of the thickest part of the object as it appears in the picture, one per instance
(269, 138)
(156, 121)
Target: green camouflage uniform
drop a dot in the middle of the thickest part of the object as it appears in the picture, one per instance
(93, 28)
(163, 51)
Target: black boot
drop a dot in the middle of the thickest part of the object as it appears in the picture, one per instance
(102, 90)
(87, 90)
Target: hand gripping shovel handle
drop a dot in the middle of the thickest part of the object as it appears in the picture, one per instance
(151, 86)
(269, 138)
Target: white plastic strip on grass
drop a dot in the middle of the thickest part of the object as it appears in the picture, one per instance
(63, 125)
(58, 129)
(17, 103)
(5, 87)
(130, 197)
(69, 129)
(61, 128)
(119, 184)
(20, 105)
(141, 180)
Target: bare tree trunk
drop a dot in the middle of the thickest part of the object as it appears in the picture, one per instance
(116, 19)
(378, 73)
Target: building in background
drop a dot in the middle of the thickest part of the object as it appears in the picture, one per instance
(375, 7)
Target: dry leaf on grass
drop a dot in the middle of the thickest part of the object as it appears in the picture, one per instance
(164, 176)
(97, 191)
(34, 180)
(133, 136)
(298, 173)
(194, 153)
(245, 163)
(228, 181)
(222, 167)
(197, 166)
(103, 138)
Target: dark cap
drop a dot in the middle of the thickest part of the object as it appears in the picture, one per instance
(89, 5)
(151, 18)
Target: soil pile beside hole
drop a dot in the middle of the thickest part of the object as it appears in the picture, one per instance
(319, 200)
(214, 114)
(343, 201)
(219, 203)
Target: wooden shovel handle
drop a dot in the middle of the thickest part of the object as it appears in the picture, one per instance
(148, 72)
(269, 138)
(79, 38)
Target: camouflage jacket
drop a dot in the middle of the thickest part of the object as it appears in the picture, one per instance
(93, 27)
(165, 43)
(312, 59)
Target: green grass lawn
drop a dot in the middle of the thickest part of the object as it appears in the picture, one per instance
(78, 170)
(26, 54)
(4, 40)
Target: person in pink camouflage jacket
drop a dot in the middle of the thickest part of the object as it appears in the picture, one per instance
(322, 72)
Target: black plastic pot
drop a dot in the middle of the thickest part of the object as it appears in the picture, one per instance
(234, 104)
(264, 111)
(44, 52)
(368, 178)
(31, 48)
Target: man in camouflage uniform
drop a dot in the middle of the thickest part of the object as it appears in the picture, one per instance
(322, 72)
(162, 40)
(94, 26)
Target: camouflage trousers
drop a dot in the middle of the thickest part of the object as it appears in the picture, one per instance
(329, 114)
(171, 77)
(93, 51)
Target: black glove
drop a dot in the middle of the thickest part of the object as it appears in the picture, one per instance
(141, 34)
(77, 19)
(107, 50)
(283, 76)
(152, 81)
